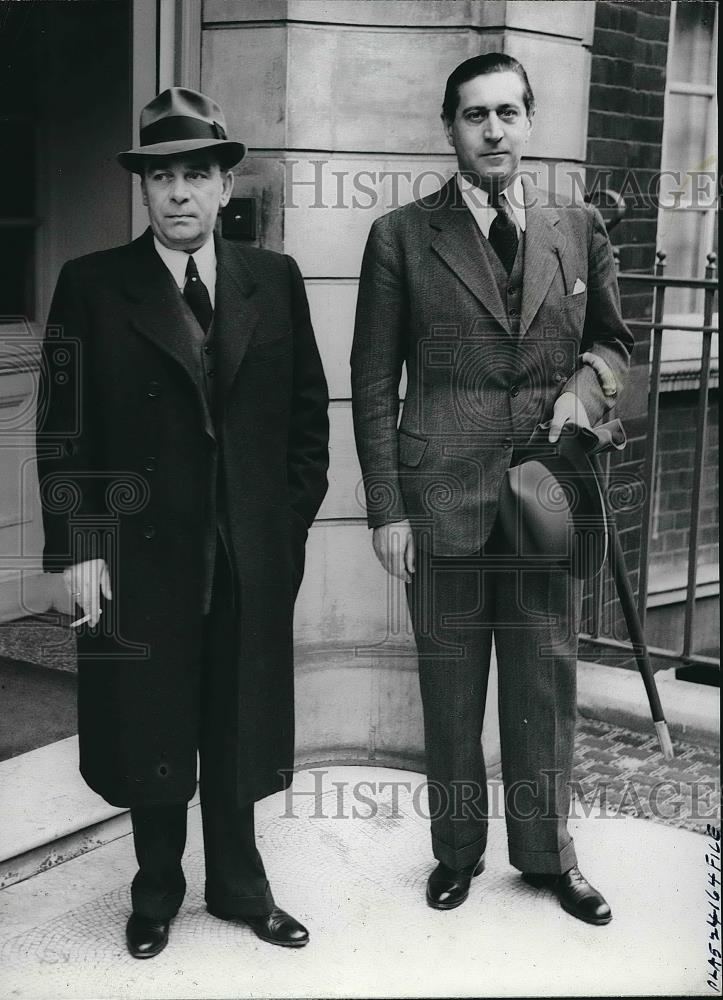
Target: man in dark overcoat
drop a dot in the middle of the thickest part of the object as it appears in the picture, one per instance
(503, 305)
(183, 452)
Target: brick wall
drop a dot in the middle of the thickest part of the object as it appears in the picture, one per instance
(673, 486)
(625, 125)
(625, 132)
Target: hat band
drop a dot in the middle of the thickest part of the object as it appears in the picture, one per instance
(179, 127)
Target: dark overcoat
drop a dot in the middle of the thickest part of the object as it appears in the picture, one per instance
(129, 453)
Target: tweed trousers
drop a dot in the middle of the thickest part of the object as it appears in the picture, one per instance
(532, 610)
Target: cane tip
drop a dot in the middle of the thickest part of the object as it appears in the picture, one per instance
(666, 744)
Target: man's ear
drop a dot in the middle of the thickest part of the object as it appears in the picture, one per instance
(144, 193)
(448, 130)
(227, 187)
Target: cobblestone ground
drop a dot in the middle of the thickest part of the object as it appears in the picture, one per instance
(625, 772)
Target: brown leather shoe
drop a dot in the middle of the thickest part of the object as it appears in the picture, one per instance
(279, 927)
(146, 938)
(447, 888)
(575, 894)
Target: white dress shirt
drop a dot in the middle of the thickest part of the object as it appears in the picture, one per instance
(177, 261)
(478, 202)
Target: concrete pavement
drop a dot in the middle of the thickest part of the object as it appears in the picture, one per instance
(358, 882)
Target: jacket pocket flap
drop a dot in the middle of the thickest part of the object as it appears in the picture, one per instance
(411, 449)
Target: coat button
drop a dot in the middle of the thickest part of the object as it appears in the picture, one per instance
(514, 390)
(149, 531)
(154, 389)
(507, 442)
(149, 463)
(211, 372)
(559, 377)
(206, 349)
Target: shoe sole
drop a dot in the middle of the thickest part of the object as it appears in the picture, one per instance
(596, 922)
(149, 954)
(261, 937)
(279, 944)
(447, 906)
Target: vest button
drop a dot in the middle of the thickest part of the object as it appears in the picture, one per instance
(149, 463)
(211, 372)
(149, 531)
(514, 390)
(154, 389)
(513, 312)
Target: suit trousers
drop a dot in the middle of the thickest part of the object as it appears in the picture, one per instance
(236, 883)
(457, 605)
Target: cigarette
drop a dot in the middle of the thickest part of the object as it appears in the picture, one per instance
(83, 620)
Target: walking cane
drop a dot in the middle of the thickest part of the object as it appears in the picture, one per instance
(635, 628)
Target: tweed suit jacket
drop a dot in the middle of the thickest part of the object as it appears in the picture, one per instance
(476, 386)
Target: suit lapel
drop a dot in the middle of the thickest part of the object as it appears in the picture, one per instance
(456, 241)
(235, 314)
(544, 245)
(160, 314)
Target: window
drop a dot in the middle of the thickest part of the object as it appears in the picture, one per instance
(687, 218)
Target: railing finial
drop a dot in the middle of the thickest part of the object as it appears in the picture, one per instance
(712, 259)
(660, 256)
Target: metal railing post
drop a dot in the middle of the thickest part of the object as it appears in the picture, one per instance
(651, 439)
(701, 429)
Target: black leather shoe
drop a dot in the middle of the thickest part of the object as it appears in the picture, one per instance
(575, 894)
(447, 888)
(279, 927)
(146, 938)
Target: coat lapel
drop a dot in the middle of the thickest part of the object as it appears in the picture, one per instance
(160, 314)
(457, 243)
(544, 245)
(235, 314)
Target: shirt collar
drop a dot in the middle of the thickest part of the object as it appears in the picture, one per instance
(177, 261)
(478, 202)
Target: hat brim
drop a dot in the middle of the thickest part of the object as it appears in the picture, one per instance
(552, 506)
(228, 152)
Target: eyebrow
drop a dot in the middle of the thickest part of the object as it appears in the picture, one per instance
(504, 104)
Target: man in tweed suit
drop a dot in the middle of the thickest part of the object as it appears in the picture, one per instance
(490, 295)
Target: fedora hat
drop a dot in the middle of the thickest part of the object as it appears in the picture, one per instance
(182, 121)
(552, 505)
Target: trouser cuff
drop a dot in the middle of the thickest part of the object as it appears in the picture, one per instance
(230, 907)
(544, 862)
(457, 858)
(157, 907)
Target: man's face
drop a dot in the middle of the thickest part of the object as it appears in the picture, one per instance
(490, 128)
(183, 195)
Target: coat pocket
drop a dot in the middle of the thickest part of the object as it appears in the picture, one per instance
(411, 448)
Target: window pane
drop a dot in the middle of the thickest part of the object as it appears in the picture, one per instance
(685, 146)
(693, 42)
(681, 237)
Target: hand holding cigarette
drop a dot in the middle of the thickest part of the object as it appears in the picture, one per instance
(86, 582)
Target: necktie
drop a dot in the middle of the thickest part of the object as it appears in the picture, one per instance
(503, 233)
(196, 295)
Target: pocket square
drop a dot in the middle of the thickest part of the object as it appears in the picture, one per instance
(580, 287)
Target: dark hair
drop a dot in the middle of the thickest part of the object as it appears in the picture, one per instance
(491, 62)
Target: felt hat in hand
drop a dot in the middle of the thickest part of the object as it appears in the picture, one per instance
(552, 504)
(181, 121)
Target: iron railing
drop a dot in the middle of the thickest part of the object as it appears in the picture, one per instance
(658, 283)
